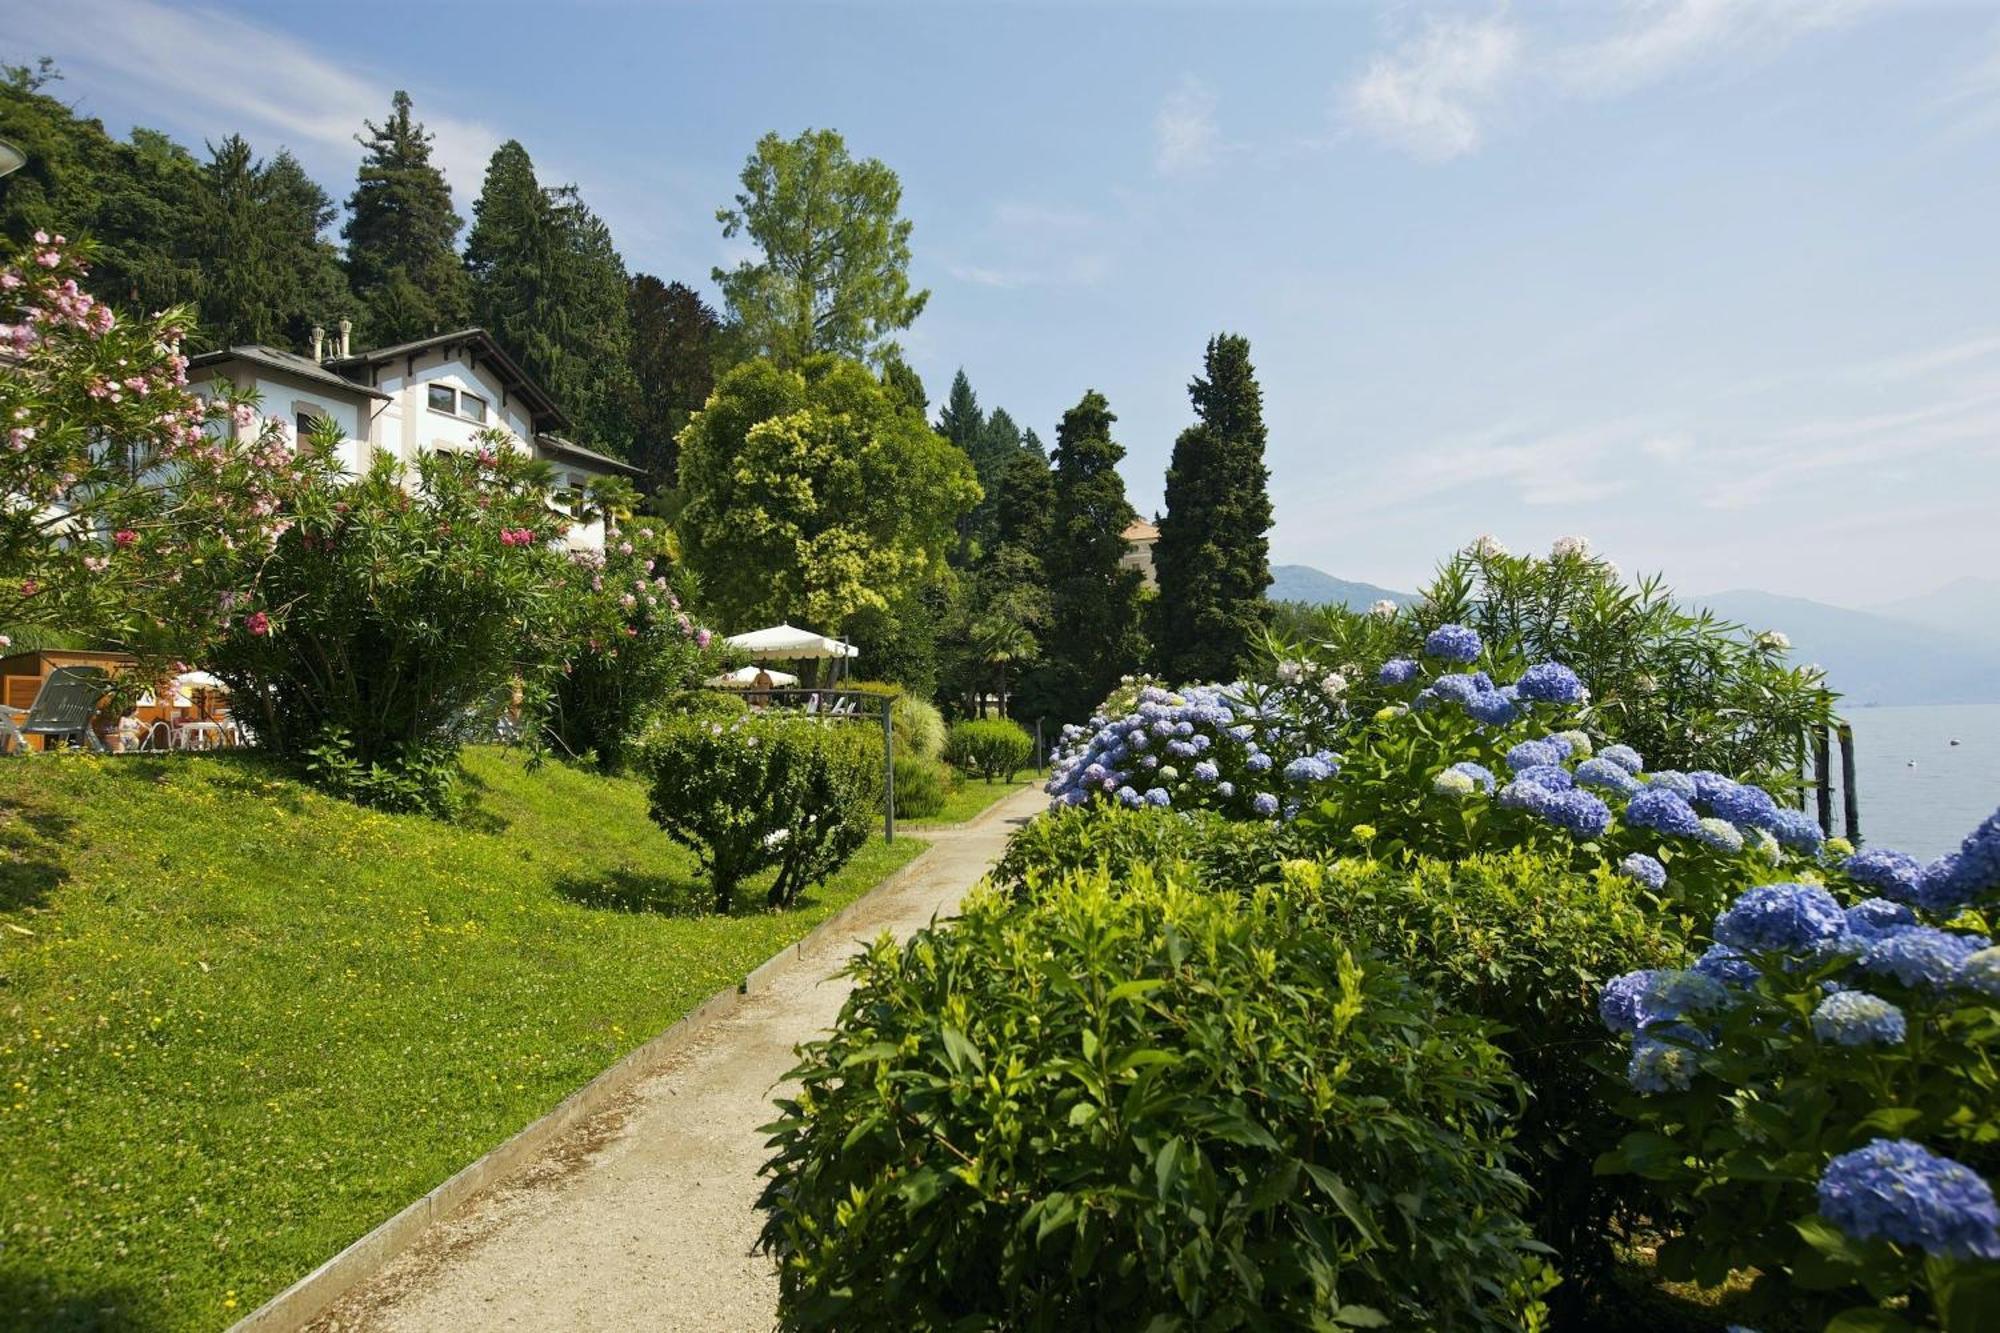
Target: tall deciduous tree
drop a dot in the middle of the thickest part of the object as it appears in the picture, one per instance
(270, 274)
(676, 342)
(549, 285)
(1213, 558)
(834, 273)
(402, 234)
(1093, 634)
(815, 495)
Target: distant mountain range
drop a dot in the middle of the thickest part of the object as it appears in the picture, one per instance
(1939, 648)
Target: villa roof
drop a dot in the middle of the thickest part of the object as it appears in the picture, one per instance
(556, 444)
(276, 358)
(516, 380)
(1140, 531)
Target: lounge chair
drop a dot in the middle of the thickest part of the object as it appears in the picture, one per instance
(62, 710)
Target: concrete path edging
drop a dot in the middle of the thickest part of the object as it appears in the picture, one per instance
(298, 1305)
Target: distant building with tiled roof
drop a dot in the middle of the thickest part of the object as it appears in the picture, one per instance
(1139, 537)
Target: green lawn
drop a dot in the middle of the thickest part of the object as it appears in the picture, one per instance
(973, 796)
(241, 1023)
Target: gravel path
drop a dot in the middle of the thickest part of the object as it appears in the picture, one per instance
(646, 1217)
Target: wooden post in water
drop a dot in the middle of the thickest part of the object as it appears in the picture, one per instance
(1823, 778)
(1850, 800)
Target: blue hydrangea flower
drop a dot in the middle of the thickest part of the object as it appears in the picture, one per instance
(1605, 775)
(1482, 777)
(1453, 643)
(1560, 743)
(1158, 796)
(1459, 689)
(1624, 756)
(1640, 1000)
(1258, 762)
(1680, 784)
(1797, 830)
(1872, 917)
(1900, 1191)
(1579, 813)
(1709, 784)
(1550, 682)
(1493, 707)
(1206, 771)
(1727, 966)
(1397, 671)
(1308, 768)
(1264, 804)
(1746, 805)
(1981, 972)
(1719, 834)
(1129, 798)
(1890, 873)
(1645, 869)
(1856, 1018)
(1782, 918)
(1658, 1066)
(1661, 810)
(1531, 754)
(1920, 955)
(1552, 776)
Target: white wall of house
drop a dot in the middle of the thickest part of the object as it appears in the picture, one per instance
(410, 423)
(288, 399)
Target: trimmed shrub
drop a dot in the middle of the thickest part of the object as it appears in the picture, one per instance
(1524, 942)
(992, 748)
(922, 786)
(1145, 1106)
(1226, 855)
(919, 727)
(759, 792)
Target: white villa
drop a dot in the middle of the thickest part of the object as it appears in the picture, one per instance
(433, 394)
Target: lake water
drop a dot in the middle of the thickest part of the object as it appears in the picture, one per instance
(1920, 793)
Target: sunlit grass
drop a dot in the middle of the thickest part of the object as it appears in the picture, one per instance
(241, 1023)
(972, 798)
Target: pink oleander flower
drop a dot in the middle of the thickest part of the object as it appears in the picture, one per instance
(124, 537)
(703, 639)
(257, 623)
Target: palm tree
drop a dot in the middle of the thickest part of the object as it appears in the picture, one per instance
(998, 640)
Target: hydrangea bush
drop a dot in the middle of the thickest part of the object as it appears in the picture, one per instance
(1241, 749)
(1819, 1094)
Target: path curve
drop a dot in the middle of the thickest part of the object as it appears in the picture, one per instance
(646, 1216)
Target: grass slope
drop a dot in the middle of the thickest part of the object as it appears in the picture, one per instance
(240, 1023)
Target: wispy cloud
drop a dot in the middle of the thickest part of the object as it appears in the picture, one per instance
(1538, 468)
(204, 67)
(1431, 96)
(1186, 138)
(1035, 245)
(1435, 94)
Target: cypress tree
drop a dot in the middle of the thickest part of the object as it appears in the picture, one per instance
(1213, 559)
(270, 276)
(1093, 634)
(676, 341)
(402, 235)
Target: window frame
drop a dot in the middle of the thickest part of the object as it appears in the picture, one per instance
(431, 392)
(485, 408)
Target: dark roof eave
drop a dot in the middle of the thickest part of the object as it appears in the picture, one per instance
(556, 445)
(518, 379)
(301, 369)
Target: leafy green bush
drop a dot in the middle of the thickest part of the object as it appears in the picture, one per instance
(922, 786)
(919, 727)
(390, 607)
(1524, 942)
(1145, 1106)
(757, 792)
(1195, 847)
(992, 748)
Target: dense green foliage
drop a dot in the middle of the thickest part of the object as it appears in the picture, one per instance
(402, 234)
(833, 272)
(991, 748)
(1116, 1121)
(263, 273)
(1197, 848)
(814, 494)
(677, 343)
(919, 727)
(1213, 558)
(923, 786)
(1094, 601)
(246, 1022)
(761, 792)
(391, 607)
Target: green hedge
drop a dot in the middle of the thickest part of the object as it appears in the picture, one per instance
(922, 786)
(991, 748)
(1145, 1107)
(1196, 846)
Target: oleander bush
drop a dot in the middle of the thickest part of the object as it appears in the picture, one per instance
(1146, 1106)
(756, 792)
(922, 786)
(1818, 1098)
(992, 748)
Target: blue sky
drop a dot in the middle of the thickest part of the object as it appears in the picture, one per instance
(1712, 283)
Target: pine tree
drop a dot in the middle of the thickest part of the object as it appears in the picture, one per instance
(1093, 635)
(402, 235)
(1213, 559)
(961, 420)
(676, 342)
(270, 275)
(899, 376)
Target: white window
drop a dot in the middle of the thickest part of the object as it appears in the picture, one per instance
(455, 402)
(472, 407)
(444, 399)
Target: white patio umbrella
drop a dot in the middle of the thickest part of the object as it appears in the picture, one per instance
(789, 643)
(199, 680)
(744, 678)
